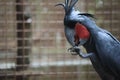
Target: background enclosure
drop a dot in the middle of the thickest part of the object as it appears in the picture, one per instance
(32, 41)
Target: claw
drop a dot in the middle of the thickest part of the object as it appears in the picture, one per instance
(72, 51)
(77, 51)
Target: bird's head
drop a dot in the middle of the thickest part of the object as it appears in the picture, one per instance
(71, 14)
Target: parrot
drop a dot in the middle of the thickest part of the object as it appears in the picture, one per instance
(103, 49)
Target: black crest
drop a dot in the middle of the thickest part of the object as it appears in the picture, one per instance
(68, 5)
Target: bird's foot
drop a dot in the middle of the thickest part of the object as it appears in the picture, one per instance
(72, 50)
(77, 51)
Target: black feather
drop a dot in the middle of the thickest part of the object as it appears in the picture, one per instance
(88, 15)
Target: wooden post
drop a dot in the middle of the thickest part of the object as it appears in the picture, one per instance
(23, 39)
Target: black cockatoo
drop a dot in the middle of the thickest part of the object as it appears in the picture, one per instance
(102, 47)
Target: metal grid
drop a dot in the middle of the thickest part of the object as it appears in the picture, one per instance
(32, 41)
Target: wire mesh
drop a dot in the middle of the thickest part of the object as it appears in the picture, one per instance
(32, 41)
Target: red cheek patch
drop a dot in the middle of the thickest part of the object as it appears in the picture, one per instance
(81, 32)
